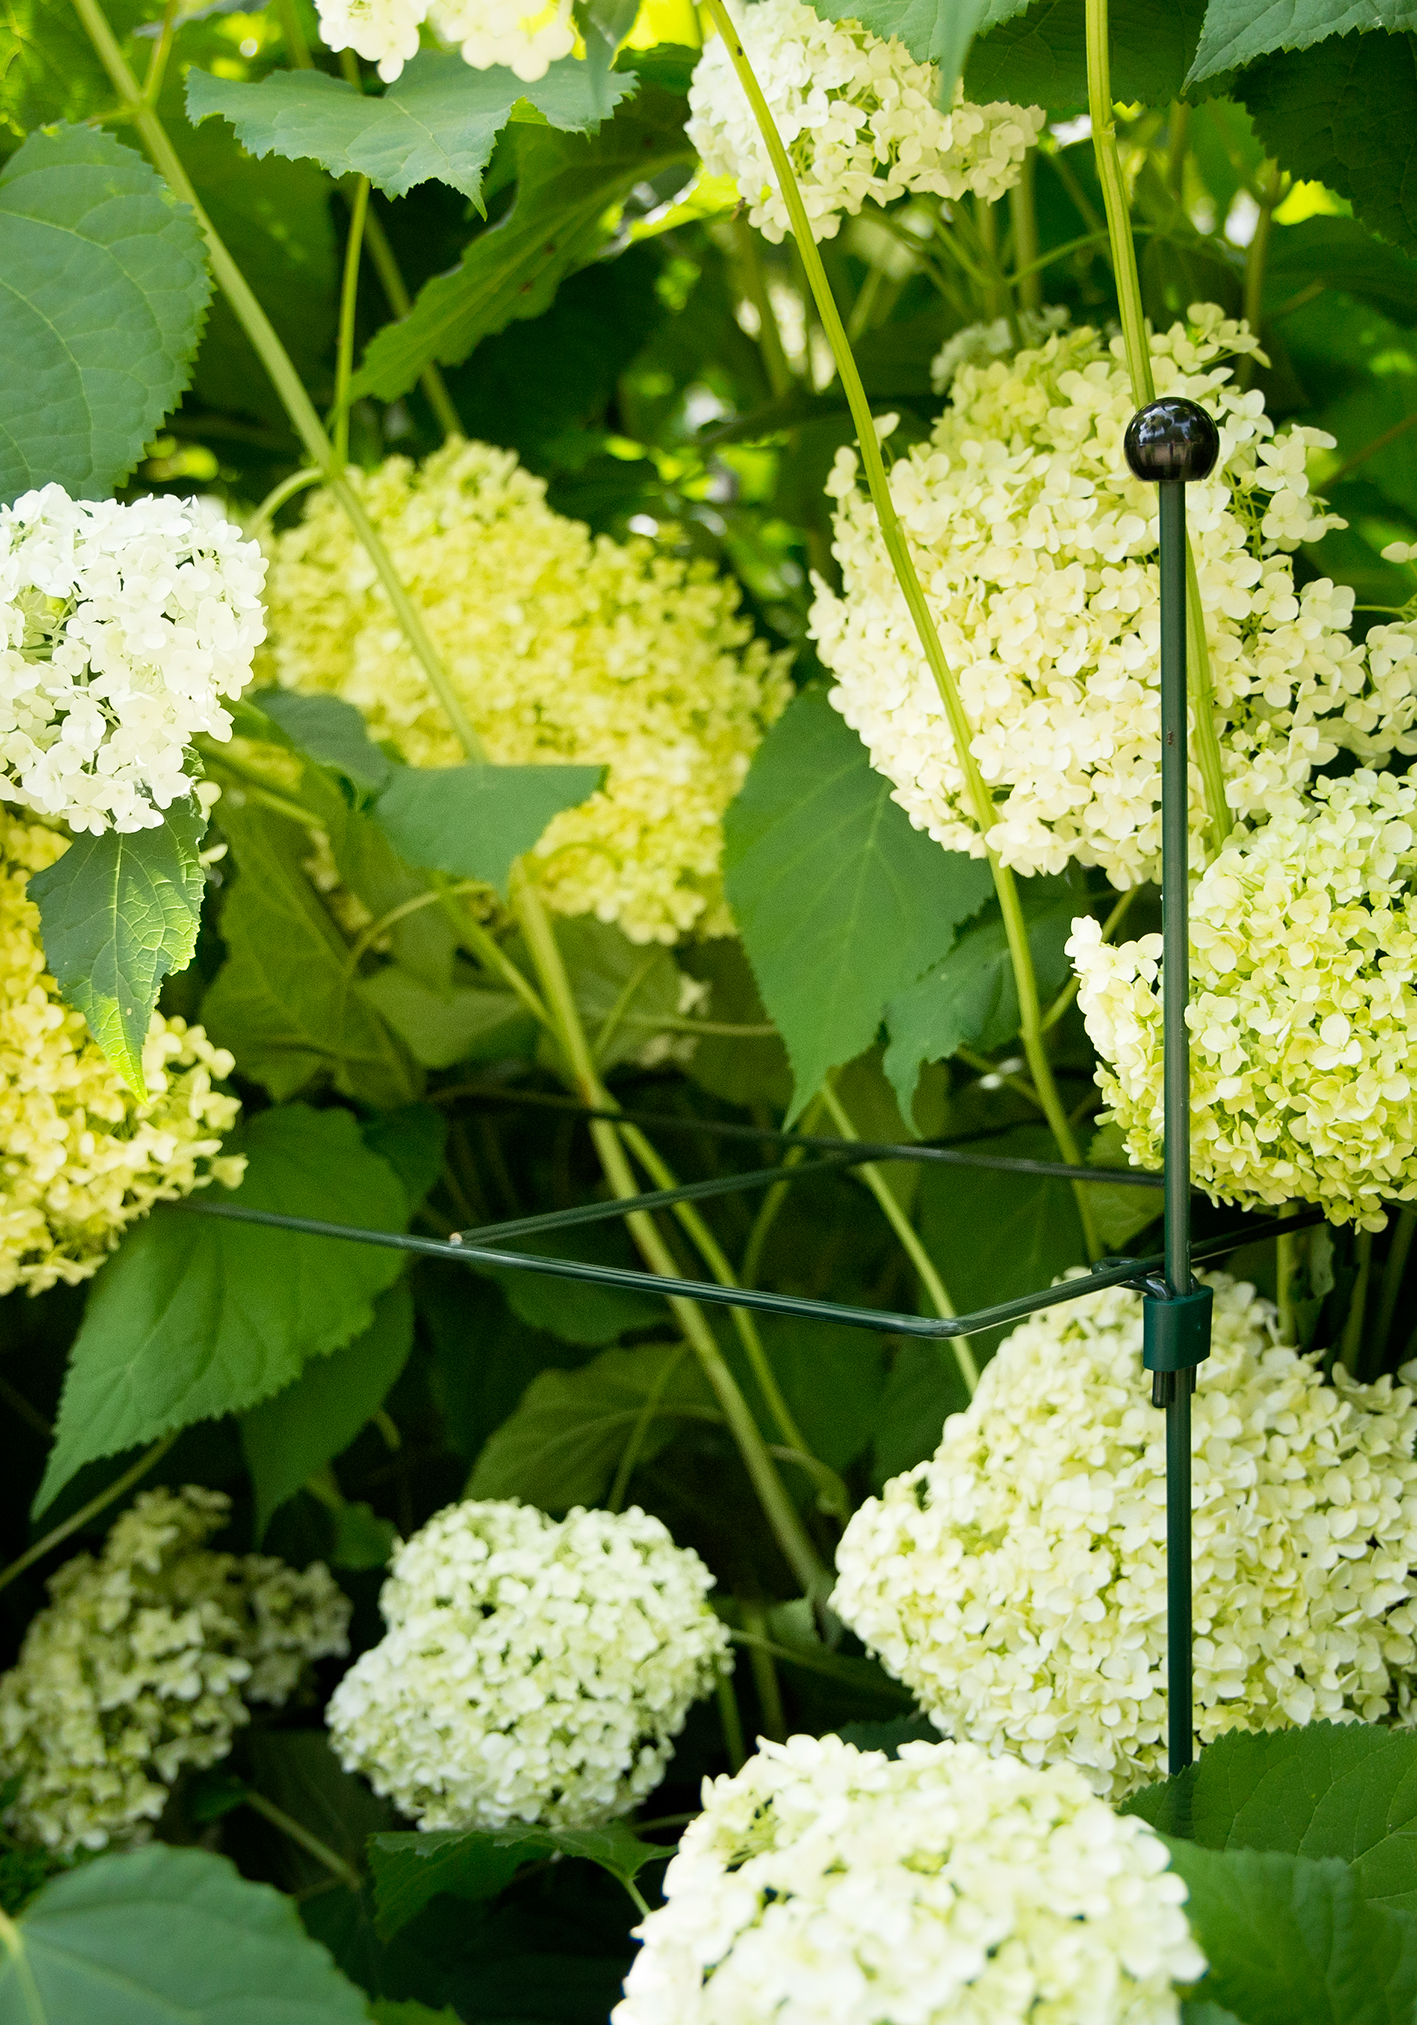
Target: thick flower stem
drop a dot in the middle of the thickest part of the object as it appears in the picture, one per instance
(348, 304)
(1138, 350)
(109, 1495)
(902, 563)
(782, 1515)
(276, 360)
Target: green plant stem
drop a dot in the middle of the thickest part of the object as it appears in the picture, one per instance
(1285, 1265)
(782, 1514)
(1178, 131)
(713, 1256)
(293, 35)
(765, 1676)
(731, 1723)
(644, 1420)
(486, 950)
(902, 563)
(1109, 928)
(773, 1200)
(275, 499)
(909, 1238)
(435, 387)
(1394, 1271)
(107, 1496)
(1023, 209)
(300, 1835)
(1138, 351)
(982, 1066)
(348, 303)
(755, 281)
(157, 64)
(1352, 1350)
(825, 1662)
(276, 360)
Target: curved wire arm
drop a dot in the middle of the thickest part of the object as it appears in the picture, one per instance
(1108, 1273)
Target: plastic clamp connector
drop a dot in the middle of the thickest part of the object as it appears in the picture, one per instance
(1176, 1330)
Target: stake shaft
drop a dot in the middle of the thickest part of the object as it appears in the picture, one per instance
(1175, 898)
(1180, 1727)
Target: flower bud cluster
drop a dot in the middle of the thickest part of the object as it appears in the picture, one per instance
(80, 1156)
(1303, 1013)
(859, 118)
(143, 1664)
(1036, 550)
(1017, 1580)
(532, 1670)
(829, 1883)
(561, 646)
(121, 628)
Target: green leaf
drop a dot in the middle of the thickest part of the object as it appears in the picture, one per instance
(389, 2012)
(1341, 254)
(283, 1001)
(969, 997)
(442, 1028)
(568, 191)
(331, 731)
(410, 1870)
(832, 1379)
(1040, 57)
(1237, 32)
(198, 1316)
(103, 287)
(624, 990)
(1292, 1941)
(291, 1435)
(1330, 1789)
(576, 1311)
(841, 904)
(162, 1935)
(740, 1071)
(934, 31)
(474, 821)
(440, 120)
(924, 1388)
(1119, 1212)
(413, 1141)
(1345, 114)
(563, 1444)
(118, 913)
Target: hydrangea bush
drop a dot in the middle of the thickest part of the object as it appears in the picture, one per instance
(579, 671)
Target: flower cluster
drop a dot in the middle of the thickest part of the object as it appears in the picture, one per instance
(839, 1885)
(1303, 1014)
(1017, 1581)
(1036, 549)
(980, 343)
(80, 1156)
(121, 628)
(561, 646)
(858, 116)
(527, 38)
(143, 1664)
(532, 1670)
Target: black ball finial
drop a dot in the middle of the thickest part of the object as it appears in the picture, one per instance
(1172, 439)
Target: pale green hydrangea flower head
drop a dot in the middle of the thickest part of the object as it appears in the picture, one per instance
(143, 1664)
(1016, 1582)
(1036, 550)
(1303, 1015)
(828, 1883)
(533, 1670)
(561, 646)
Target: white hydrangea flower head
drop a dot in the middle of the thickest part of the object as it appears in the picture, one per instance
(533, 1670)
(527, 39)
(1016, 1582)
(979, 343)
(840, 1886)
(121, 629)
(144, 1662)
(81, 1158)
(858, 116)
(561, 646)
(1036, 549)
(1303, 1013)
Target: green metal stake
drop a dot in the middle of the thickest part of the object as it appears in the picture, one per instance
(1170, 443)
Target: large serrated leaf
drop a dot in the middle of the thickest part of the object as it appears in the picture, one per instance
(1039, 57)
(103, 288)
(568, 190)
(199, 1316)
(118, 914)
(841, 904)
(162, 1935)
(439, 122)
(411, 1869)
(1345, 113)
(934, 31)
(1237, 32)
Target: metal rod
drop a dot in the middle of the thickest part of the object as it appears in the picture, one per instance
(1180, 1724)
(880, 1321)
(860, 1149)
(1175, 896)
